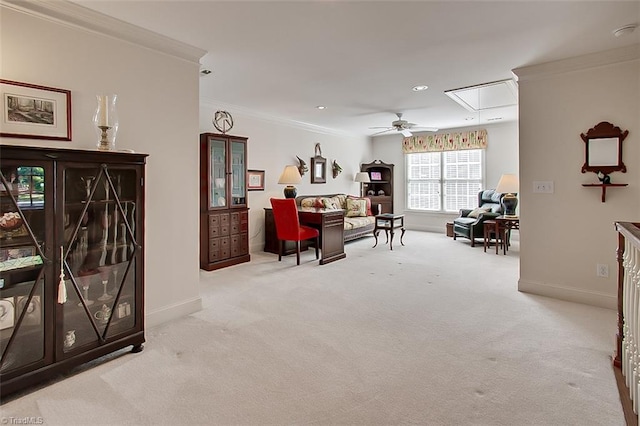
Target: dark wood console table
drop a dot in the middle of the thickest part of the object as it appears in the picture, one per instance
(330, 223)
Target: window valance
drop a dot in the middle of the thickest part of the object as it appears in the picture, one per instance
(475, 139)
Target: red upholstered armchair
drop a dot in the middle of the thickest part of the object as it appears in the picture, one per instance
(288, 228)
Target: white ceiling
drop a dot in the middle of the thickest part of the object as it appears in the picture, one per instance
(360, 59)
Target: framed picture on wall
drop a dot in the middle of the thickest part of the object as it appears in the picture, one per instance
(318, 169)
(255, 180)
(35, 112)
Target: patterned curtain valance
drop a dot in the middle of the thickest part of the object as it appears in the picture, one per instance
(475, 139)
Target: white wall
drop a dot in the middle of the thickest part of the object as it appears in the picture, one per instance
(565, 234)
(158, 111)
(501, 156)
(274, 143)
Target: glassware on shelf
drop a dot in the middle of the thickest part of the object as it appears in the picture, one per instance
(105, 271)
(85, 281)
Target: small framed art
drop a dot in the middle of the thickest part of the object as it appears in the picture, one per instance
(35, 112)
(255, 180)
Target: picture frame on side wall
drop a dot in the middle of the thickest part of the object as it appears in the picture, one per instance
(35, 112)
(255, 180)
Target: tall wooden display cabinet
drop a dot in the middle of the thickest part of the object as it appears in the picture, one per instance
(224, 214)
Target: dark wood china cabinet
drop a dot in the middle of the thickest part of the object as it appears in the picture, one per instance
(224, 214)
(71, 259)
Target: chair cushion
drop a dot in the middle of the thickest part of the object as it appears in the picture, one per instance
(464, 221)
(475, 213)
(307, 232)
(491, 207)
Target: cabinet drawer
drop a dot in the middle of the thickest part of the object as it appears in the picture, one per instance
(225, 249)
(235, 218)
(219, 249)
(214, 220)
(239, 245)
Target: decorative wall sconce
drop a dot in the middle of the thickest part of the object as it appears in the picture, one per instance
(336, 169)
(302, 166)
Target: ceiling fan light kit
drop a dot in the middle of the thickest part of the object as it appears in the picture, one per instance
(403, 126)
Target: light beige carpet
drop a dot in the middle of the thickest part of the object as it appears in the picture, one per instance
(433, 333)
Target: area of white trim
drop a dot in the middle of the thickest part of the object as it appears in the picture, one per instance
(237, 109)
(76, 16)
(571, 294)
(577, 63)
(172, 312)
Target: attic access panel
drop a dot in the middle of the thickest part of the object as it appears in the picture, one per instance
(496, 94)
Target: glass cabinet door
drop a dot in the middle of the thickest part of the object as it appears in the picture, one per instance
(218, 169)
(23, 227)
(99, 214)
(238, 173)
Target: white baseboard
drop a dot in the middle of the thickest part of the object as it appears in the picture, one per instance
(172, 312)
(570, 294)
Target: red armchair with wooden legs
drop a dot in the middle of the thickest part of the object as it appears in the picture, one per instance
(288, 228)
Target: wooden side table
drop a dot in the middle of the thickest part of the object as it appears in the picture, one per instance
(490, 228)
(504, 225)
(388, 222)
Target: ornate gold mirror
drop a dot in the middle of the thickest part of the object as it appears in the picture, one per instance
(603, 149)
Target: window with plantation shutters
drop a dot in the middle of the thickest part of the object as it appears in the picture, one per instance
(444, 181)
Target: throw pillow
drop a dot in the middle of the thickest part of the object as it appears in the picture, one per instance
(331, 203)
(477, 212)
(367, 199)
(356, 208)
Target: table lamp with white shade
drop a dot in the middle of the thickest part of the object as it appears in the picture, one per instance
(362, 178)
(508, 185)
(290, 176)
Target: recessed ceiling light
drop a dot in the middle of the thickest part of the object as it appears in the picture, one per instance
(627, 29)
(321, 107)
(419, 88)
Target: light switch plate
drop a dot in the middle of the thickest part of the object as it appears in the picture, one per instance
(543, 187)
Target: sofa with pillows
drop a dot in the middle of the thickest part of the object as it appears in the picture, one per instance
(359, 218)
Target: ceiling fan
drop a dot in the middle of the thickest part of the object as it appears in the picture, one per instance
(403, 127)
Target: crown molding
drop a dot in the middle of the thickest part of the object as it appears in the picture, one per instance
(76, 16)
(214, 104)
(592, 60)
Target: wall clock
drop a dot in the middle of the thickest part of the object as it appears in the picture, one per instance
(222, 121)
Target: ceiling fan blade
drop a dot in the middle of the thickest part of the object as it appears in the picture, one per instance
(406, 133)
(384, 131)
(424, 129)
(381, 127)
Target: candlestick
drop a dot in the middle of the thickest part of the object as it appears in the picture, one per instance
(105, 119)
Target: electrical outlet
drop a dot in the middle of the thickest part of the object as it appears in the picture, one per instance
(545, 187)
(602, 270)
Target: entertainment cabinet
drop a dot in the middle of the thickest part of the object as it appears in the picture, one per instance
(224, 214)
(71, 259)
